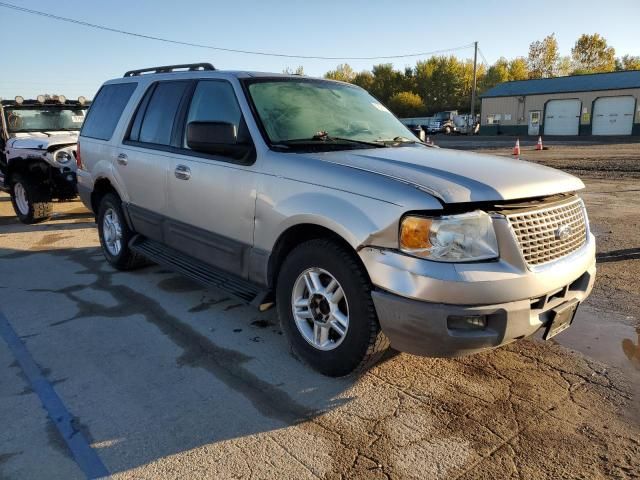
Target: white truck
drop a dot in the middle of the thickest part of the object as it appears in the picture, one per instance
(38, 152)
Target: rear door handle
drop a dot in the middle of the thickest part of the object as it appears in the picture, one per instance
(182, 172)
(123, 159)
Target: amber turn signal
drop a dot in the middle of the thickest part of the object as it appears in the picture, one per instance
(414, 233)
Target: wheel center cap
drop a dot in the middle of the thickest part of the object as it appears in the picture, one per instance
(320, 308)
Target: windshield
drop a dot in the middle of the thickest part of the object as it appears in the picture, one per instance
(44, 118)
(316, 110)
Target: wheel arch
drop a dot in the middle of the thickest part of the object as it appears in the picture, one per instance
(298, 234)
(27, 167)
(101, 187)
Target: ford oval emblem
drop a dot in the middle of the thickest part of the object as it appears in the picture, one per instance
(563, 232)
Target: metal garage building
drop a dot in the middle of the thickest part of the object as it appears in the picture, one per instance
(595, 104)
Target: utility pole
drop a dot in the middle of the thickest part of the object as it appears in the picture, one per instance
(473, 90)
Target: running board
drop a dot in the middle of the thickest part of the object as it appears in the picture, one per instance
(199, 271)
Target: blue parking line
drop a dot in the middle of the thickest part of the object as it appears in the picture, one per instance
(85, 456)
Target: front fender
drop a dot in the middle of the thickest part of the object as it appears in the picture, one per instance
(355, 218)
(349, 221)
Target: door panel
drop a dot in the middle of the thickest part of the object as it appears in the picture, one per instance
(613, 116)
(211, 214)
(143, 173)
(211, 200)
(562, 117)
(142, 162)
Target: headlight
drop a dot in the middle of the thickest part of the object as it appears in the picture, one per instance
(451, 238)
(63, 157)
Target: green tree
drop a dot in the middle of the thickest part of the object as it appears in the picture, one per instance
(628, 62)
(592, 54)
(343, 73)
(442, 83)
(364, 80)
(496, 73)
(466, 85)
(543, 57)
(409, 80)
(565, 66)
(386, 82)
(406, 104)
(518, 69)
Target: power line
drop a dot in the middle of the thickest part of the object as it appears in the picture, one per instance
(484, 60)
(211, 47)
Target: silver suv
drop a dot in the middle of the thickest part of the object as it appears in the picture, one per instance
(310, 194)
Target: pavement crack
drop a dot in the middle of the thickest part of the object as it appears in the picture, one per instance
(295, 458)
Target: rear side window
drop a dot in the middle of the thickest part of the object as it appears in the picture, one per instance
(158, 113)
(106, 110)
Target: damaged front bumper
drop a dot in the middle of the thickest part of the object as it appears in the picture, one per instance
(419, 303)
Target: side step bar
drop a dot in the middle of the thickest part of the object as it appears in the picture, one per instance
(199, 271)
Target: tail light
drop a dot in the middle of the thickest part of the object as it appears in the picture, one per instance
(79, 158)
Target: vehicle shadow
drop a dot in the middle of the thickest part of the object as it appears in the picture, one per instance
(58, 221)
(618, 255)
(17, 227)
(180, 366)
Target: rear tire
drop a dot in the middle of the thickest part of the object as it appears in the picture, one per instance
(32, 203)
(350, 338)
(115, 234)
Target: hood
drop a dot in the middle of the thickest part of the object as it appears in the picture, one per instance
(456, 176)
(43, 141)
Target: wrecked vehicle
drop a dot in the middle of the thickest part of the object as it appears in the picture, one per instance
(37, 152)
(310, 194)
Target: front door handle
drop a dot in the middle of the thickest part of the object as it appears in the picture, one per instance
(182, 172)
(123, 159)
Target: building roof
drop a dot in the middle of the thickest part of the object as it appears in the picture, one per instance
(574, 83)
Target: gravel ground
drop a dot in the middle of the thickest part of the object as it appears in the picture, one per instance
(166, 379)
(580, 157)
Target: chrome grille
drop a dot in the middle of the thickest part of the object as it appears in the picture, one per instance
(550, 233)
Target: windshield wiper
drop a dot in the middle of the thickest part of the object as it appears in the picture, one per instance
(324, 137)
(398, 141)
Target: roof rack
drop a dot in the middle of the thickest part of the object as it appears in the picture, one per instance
(192, 67)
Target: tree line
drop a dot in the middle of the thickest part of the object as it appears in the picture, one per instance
(445, 82)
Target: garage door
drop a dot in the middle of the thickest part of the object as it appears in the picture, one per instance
(613, 116)
(562, 117)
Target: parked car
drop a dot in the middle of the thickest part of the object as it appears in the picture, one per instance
(37, 152)
(309, 193)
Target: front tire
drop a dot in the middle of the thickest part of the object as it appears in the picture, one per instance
(115, 234)
(31, 202)
(326, 311)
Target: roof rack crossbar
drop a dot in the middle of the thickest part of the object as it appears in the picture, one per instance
(192, 67)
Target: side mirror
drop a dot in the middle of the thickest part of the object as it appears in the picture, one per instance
(218, 138)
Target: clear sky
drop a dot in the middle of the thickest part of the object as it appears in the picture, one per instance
(42, 55)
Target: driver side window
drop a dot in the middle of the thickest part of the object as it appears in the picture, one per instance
(215, 101)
